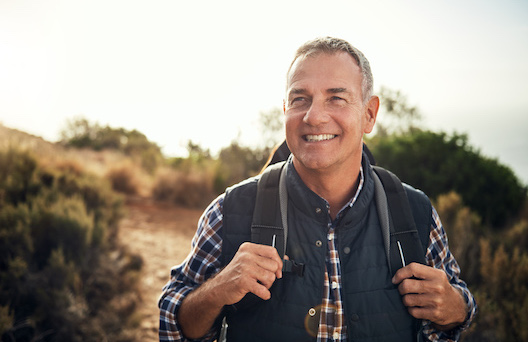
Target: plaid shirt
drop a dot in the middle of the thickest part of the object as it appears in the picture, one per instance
(204, 261)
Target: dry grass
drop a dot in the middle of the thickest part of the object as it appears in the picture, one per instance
(125, 175)
(188, 189)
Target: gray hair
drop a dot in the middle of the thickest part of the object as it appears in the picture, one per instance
(332, 45)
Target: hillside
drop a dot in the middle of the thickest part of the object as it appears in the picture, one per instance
(95, 162)
(159, 232)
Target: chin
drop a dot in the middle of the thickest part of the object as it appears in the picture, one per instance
(314, 163)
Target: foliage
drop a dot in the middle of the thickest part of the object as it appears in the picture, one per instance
(238, 163)
(495, 266)
(124, 179)
(196, 180)
(396, 115)
(60, 265)
(438, 163)
(193, 189)
(80, 133)
(272, 126)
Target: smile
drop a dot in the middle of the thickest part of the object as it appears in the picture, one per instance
(319, 137)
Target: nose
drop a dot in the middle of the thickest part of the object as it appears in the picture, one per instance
(316, 114)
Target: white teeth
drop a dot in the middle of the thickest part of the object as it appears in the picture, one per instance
(319, 137)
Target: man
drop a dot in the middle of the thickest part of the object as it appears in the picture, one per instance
(346, 292)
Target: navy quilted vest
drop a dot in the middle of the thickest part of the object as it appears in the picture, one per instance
(373, 307)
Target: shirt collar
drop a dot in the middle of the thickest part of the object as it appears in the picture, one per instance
(356, 195)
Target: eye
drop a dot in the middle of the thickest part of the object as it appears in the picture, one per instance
(337, 98)
(297, 101)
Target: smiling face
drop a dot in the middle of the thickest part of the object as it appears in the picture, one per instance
(325, 115)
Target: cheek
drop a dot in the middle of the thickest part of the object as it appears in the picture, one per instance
(291, 120)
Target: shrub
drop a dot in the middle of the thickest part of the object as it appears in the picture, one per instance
(189, 189)
(438, 163)
(81, 133)
(124, 180)
(59, 274)
(495, 266)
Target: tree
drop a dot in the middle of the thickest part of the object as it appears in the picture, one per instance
(271, 123)
(396, 115)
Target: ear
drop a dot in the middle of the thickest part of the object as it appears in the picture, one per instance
(371, 113)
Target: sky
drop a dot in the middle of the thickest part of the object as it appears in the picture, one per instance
(204, 70)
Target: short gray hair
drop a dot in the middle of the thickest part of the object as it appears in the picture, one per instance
(332, 45)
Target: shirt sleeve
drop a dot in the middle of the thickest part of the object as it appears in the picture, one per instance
(439, 256)
(201, 264)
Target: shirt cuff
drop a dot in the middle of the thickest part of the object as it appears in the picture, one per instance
(170, 329)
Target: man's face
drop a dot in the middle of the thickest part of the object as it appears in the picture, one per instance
(325, 114)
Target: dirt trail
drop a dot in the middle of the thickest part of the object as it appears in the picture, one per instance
(161, 234)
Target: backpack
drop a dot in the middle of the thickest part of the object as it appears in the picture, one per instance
(402, 241)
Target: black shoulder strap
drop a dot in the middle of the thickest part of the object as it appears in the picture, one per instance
(267, 226)
(405, 245)
(270, 221)
(401, 238)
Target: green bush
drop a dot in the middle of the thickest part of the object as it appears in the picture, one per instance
(59, 276)
(237, 163)
(438, 163)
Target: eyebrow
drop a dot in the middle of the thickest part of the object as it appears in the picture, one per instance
(337, 90)
(296, 91)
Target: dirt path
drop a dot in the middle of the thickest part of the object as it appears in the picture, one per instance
(161, 234)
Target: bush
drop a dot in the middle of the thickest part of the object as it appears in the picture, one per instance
(81, 133)
(59, 278)
(438, 163)
(495, 266)
(188, 189)
(124, 180)
(238, 163)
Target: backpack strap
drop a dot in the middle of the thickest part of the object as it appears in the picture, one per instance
(267, 227)
(270, 217)
(401, 238)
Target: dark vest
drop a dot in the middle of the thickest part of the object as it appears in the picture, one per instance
(373, 307)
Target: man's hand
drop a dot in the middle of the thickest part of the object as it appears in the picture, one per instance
(427, 294)
(254, 269)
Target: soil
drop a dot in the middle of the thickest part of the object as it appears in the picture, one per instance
(161, 233)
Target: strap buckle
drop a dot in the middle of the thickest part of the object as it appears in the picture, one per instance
(292, 266)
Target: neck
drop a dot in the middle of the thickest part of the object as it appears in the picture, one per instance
(336, 186)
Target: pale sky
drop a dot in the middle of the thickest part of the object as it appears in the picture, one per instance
(203, 70)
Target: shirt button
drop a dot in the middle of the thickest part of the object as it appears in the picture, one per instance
(311, 312)
(336, 335)
(346, 250)
(318, 243)
(318, 210)
(354, 317)
(334, 285)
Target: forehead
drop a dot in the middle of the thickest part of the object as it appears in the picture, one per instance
(324, 70)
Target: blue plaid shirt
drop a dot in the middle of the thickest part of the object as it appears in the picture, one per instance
(204, 261)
